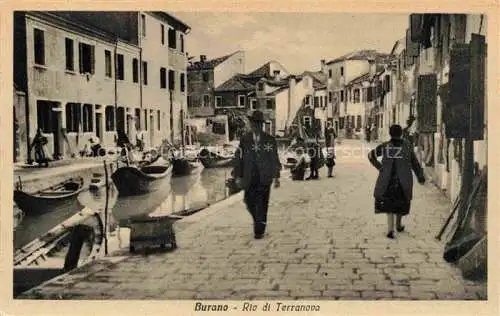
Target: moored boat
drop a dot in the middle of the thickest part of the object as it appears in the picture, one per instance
(132, 180)
(212, 159)
(63, 194)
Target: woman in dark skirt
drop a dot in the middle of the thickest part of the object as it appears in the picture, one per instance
(394, 186)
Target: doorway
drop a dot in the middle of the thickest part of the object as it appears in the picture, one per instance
(98, 126)
(49, 121)
(151, 129)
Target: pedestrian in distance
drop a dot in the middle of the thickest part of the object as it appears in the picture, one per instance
(314, 150)
(394, 187)
(39, 142)
(257, 165)
(330, 137)
(368, 133)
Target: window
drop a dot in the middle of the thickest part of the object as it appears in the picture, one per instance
(316, 102)
(260, 86)
(143, 25)
(135, 70)
(358, 121)
(341, 71)
(73, 114)
(145, 73)
(308, 100)
(205, 76)
(307, 121)
(330, 73)
(138, 119)
(268, 125)
(253, 104)
(39, 38)
(189, 101)
(163, 78)
(158, 119)
(107, 63)
(86, 58)
(87, 118)
(171, 80)
(324, 100)
(357, 97)
(45, 116)
(145, 120)
(330, 96)
(342, 96)
(183, 82)
(218, 101)
(70, 64)
(182, 43)
(119, 67)
(110, 118)
(241, 100)
(172, 38)
(162, 34)
(206, 100)
(269, 104)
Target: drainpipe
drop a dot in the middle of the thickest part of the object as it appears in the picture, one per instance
(116, 89)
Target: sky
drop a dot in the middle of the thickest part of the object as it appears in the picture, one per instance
(296, 40)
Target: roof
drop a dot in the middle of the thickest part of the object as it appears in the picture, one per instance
(209, 64)
(362, 55)
(264, 70)
(277, 91)
(236, 83)
(171, 20)
(360, 79)
(398, 42)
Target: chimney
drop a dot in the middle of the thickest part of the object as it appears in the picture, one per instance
(372, 67)
(323, 66)
(203, 58)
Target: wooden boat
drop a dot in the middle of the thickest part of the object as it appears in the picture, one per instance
(210, 159)
(18, 216)
(63, 194)
(97, 181)
(183, 167)
(132, 180)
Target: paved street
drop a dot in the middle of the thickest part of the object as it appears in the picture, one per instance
(324, 242)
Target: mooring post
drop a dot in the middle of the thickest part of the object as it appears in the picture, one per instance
(106, 209)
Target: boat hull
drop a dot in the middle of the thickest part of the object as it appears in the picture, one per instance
(212, 160)
(183, 167)
(132, 181)
(34, 203)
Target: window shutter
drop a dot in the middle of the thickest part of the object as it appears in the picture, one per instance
(80, 55)
(457, 118)
(477, 84)
(426, 103)
(92, 52)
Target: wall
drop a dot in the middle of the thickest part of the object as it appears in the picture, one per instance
(230, 99)
(281, 100)
(355, 68)
(20, 136)
(197, 88)
(230, 67)
(52, 82)
(158, 55)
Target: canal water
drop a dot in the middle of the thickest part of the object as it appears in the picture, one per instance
(196, 191)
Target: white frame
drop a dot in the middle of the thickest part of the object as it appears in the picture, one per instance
(239, 100)
(217, 98)
(253, 103)
(308, 119)
(270, 126)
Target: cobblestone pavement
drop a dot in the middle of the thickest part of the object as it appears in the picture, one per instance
(323, 242)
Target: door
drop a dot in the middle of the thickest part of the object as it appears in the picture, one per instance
(56, 131)
(151, 130)
(98, 126)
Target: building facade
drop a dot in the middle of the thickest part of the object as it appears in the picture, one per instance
(98, 74)
(204, 76)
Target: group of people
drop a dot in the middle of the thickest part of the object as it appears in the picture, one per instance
(311, 154)
(256, 170)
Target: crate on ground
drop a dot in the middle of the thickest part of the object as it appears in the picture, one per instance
(148, 232)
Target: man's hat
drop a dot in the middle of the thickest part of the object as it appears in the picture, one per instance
(257, 116)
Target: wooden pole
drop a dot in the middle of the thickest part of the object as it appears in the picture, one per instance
(106, 209)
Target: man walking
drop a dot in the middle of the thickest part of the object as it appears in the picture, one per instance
(256, 166)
